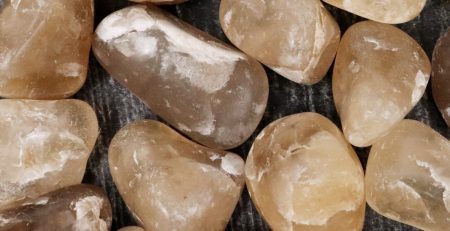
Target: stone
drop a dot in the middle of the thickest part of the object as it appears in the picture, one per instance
(209, 91)
(160, 2)
(440, 81)
(76, 208)
(380, 74)
(303, 175)
(171, 183)
(386, 11)
(132, 228)
(297, 39)
(47, 58)
(408, 178)
(44, 146)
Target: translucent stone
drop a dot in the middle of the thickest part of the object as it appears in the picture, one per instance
(408, 176)
(380, 74)
(160, 2)
(171, 183)
(132, 228)
(76, 208)
(44, 146)
(211, 92)
(441, 76)
(297, 39)
(47, 57)
(303, 175)
(385, 11)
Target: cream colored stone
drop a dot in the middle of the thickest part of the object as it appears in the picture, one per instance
(211, 92)
(44, 146)
(303, 175)
(385, 11)
(408, 176)
(380, 74)
(171, 183)
(298, 39)
(44, 47)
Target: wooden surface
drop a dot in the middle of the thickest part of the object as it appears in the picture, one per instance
(116, 106)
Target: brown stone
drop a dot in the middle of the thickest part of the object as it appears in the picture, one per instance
(297, 39)
(303, 175)
(380, 74)
(47, 57)
(44, 146)
(211, 92)
(408, 176)
(74, 208)
(385, 11)
(132, 228)
(441, 76)
(171, 183)
(160, 2)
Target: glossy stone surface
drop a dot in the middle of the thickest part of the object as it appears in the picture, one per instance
(44, 146)
(441, 76)
(74, 208)
(303, 175)
(171, 183)
(47, 57)
(408, 176)
(385, 11)
(160, 2)
(297, 39)
(132, 228)
(380, 74)
(204, 88)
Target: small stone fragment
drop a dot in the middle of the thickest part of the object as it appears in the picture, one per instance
(160, 2)
(132, 228)
(171, 183)
(201, 86)
(47, 57)
(303, 175)
(44, 146)
(385, 11)
(441, 76)
(380, 74)
(297, 39)
(74, 208)
(408, 176)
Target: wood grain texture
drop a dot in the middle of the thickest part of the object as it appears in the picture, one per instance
(116, 106)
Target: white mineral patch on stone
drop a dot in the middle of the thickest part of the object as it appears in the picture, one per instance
(447, 111)
(88, 214)
(70, 69)
(227, 18)
(441, 180)
(137, 44)
(378, 44)
(421, 82)
(232, 164)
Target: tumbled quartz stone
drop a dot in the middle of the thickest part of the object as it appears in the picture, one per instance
(297, 39)
(441, 76)
(385, 11)
(44, 146)
(380, 74)
(204, 88)
(408, 176)
(44, 47)
(303, 175)
(171, 183)
(132, 228)
(75, 208)
(160, 2)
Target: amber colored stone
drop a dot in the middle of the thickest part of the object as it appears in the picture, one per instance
(385, 11)
(380, 74)
(408, 176)
(160, 2)
(44, 146)
(132, 228)
(47, 57)
(441, 76)
(303, 175)
(297, 39)
(171, 183)
(76, 208)
(211, 92)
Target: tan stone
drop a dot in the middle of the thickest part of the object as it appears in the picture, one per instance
(441, 76)
(408, 176)
(47, 57)
(211, 92)
(74, 208)
(171, 183)
(303, 175)
(297, 39)
(131, 228)
(44, 146)
(385, 11)
(380, 74)
(160, 2)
